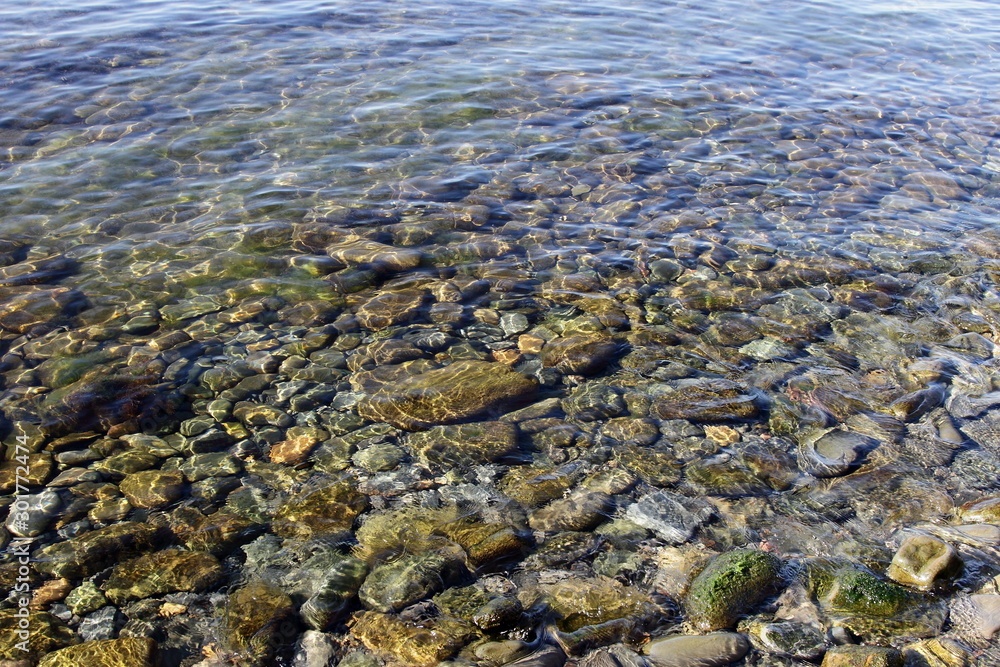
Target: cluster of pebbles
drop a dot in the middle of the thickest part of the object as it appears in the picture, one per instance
(690, 379)
(492, 443)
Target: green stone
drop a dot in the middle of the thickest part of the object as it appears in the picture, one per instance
(730, 586)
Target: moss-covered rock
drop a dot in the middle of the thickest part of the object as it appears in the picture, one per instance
(122, 652)
(845, 587)
(730, 586)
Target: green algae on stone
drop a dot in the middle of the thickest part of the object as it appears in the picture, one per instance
(93, 551)
(150, 489)
(417, 644)
(122, 652)
(46, 634)
(463, 390)
(464, 445)
(845, 587)
(326, 510)
(161, 572)
(730, 586)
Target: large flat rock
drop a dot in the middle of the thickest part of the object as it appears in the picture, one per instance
(463, 390)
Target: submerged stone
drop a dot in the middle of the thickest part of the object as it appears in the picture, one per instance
(712, 650)
(391, 308)
(162, 572)
(393, 586)
(464, 445)
(326, 510)
(579, 354)
(594, 401)
(150, 489)
(787, 638)
(122, 652)
(253, 621)
(47, 634)
(862, 656)
(463, 390)
(708, 400)
(422, 644)
(578, 602)
(338, 584)
(833, 453)
(581, 510)
(673, 517)
(731, 585)
(93, 551)
(922, 561)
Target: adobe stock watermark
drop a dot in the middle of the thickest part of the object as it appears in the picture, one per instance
(19, 547)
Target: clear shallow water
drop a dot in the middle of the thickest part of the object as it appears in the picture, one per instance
(801, 199)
